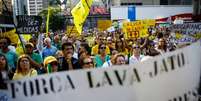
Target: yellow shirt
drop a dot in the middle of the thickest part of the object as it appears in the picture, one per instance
(18, 76)
(94, 50)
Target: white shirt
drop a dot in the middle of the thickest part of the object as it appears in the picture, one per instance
(107, 64)
(133, 59)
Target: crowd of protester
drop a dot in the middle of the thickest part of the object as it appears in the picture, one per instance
(56, 52)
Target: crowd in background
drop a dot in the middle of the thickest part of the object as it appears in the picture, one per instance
(63, 52)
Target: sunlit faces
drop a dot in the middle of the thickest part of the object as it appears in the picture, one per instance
(24, 63)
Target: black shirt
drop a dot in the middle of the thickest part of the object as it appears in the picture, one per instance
(63, 65)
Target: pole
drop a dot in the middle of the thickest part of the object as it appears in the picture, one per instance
(14, 25)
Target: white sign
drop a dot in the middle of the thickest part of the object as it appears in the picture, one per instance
(171, 77)
(187, 28)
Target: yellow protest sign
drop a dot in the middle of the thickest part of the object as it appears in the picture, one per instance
(137, 28)
(104, 24)
(132, 29)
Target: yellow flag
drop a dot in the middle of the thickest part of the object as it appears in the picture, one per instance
(80, 13)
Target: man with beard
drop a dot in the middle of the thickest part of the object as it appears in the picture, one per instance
(68, 62)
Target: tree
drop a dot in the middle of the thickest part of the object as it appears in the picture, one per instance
(57, 20)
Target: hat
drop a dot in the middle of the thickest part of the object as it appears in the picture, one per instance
(49, 59)
(29, 44)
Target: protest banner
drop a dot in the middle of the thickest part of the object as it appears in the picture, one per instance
(28, 24)
(172, 76)
(187, 28)
(137, 28)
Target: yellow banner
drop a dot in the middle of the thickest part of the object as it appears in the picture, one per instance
(137, 28)
(80, 13)
(104, 24)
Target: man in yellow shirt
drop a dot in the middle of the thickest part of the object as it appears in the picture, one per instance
(99, 40)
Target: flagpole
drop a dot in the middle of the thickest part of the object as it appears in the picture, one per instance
(47, 21)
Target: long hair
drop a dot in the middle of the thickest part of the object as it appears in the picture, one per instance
(6, 66)
(19, 69)
(120, 48)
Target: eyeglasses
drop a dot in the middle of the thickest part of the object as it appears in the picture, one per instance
(102, 47)
(87, 63)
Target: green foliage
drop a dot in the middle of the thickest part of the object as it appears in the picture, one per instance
(57, 21)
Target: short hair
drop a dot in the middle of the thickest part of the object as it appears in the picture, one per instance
(67, 44)
(47, 39)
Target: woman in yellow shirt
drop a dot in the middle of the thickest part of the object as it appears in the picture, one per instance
(24, 69)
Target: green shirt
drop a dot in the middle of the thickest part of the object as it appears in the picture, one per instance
(99, 62)
(37, 58)
(11, 58)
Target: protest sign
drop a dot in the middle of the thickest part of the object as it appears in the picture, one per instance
(172, 76)
(28, 24)
(137, 28)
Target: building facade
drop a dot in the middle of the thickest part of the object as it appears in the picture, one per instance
(8, 4)
(34, 6)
